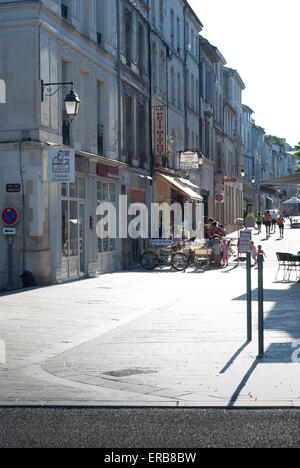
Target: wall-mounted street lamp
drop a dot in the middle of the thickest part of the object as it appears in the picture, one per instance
(243, 173)
(72, 101)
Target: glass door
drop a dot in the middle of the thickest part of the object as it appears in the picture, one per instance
(82, 236)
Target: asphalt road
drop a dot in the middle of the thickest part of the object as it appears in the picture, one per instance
(149, 428)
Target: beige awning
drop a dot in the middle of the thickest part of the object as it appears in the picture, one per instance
(293, 179)
(176, 184)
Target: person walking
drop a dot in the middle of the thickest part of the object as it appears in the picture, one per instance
(268, 223)
(259, 220)
(261, 252)
(225, 253)
(280, 222)
(274, 224)
(253, 252)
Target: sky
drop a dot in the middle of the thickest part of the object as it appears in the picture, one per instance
(260, 39)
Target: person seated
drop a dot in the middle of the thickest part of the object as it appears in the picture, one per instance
(216, 254)
(216, 230)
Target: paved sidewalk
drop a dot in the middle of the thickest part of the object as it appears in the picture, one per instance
(160, 338)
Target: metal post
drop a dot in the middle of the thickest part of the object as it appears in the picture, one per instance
(260, 307)
(249, 298)
(10, 262)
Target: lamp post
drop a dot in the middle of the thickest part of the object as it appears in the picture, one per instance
(72, 101)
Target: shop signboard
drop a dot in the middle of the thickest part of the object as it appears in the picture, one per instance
(244, 243)
(160, 131)
(61, 166)
(189, 160)
(108, 172)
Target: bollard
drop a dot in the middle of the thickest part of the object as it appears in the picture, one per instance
(261, 350)
(249, 299)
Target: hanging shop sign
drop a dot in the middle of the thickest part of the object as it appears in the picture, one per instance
(189, 160)
(160, 131)
(61, 166)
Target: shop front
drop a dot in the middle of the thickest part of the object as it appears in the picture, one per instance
(76, 251)
(171, 189)
(73, 223)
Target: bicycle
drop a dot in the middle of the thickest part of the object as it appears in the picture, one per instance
(165, 253)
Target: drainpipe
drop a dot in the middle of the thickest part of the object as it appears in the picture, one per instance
(150, 104)
(185, 81)
(200, 99)
(119, 79)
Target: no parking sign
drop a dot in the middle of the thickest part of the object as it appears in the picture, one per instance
(10, 216)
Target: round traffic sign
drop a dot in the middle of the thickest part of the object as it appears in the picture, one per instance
(10, 216)
(219, 197)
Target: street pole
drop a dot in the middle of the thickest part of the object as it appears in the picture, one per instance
(249, 299)
(260, 307)
(10, 262)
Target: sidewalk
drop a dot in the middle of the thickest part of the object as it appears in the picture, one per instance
(160, 338)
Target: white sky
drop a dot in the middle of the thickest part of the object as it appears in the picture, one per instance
(260, 39)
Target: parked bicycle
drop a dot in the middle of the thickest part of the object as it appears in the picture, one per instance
(164, 253)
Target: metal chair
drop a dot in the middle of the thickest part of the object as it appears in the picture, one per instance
(282, 264)
(291, 265)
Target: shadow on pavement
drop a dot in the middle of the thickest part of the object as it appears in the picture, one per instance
(285, 317)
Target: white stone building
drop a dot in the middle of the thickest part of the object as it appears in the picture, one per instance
(54, 42)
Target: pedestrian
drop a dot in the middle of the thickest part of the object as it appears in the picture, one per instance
(280, 222)
(274, 224)
(216, 253)
(259, 220)
(267, 223)
(253, 252)
(261, 252)
(225, 253)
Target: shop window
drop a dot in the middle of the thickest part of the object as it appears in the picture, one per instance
(106, 192)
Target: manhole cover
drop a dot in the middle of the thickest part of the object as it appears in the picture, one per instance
(129, 372)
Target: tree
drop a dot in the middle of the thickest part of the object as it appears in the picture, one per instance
(277, 141)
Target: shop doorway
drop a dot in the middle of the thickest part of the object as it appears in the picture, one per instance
(73, 230)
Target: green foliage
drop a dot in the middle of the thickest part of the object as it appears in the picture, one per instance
(277, 141)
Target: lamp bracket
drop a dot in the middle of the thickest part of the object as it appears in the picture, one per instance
(49, 87)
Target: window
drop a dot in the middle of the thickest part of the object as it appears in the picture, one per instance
(162, 74)
(172, 29)
(100, 126)
(141, 48)
(179, 91)
(154, 66)
(178, 36)
(161, 15)
(173, 86)
(64, 11)
(106, 192)
(65, 119)
(128, 36)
